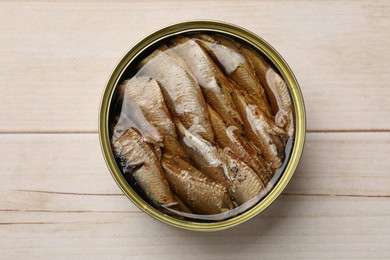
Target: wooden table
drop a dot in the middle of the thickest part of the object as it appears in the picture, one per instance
(58, 198)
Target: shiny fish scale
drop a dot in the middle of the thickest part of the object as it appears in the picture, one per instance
(143, 95)
(202, 152)
(262, 128)
(246, 184)
(194, 189)
(210, 78)
(181, 91)
(234, 173)
(148, 173)
(237, 68)
(284, 117)
(227, 137)
(275, 87)
(259, 128)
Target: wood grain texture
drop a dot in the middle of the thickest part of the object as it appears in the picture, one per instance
(56, 57)
(57, 198)
(332, 164)
(293, 227)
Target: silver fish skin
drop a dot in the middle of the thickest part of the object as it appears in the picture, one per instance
(200, 194)
(228, 137)
(140, 161)
(275, 88)
(246, 183)
(205, 155)
(180, 89)
(242, 182)
(236, 67)
(143, 102)
(181, 206)
(260, 129)
(211, 79)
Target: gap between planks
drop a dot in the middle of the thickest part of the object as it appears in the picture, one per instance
(96, 132)
(138, 211)
(283, 194)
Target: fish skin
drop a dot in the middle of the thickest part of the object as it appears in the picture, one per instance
(140, 161)
(174, 55)
(275, 87)
(181, 91)
(122, 124)
(224, 51)
(200, 194)
(260, 129)
(181, 206)
(203, 153)
(279, 142)
(246, 184)
(143, 95)
(243, 183)
(211, 79)
(229, 137)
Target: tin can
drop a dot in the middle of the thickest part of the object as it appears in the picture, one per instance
(254, 42)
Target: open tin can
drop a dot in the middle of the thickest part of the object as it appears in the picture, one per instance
(238, 123)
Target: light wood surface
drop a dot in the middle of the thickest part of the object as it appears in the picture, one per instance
(58, 198)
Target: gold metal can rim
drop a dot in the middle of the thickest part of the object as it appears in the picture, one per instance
(217, 27)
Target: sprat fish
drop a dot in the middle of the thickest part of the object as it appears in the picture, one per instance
(229, 137)
(144, 103)
(275, 88)
(260, 129)
(200, 194)
(212, 81)
(236, 67)
(180, 89)
(221, 166)
(140, 162)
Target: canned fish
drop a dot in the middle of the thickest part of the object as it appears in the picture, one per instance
(202, 125)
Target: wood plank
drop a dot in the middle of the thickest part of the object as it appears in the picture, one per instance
(67, 172)
(344, 164)
(56, 57)
(293, 227)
